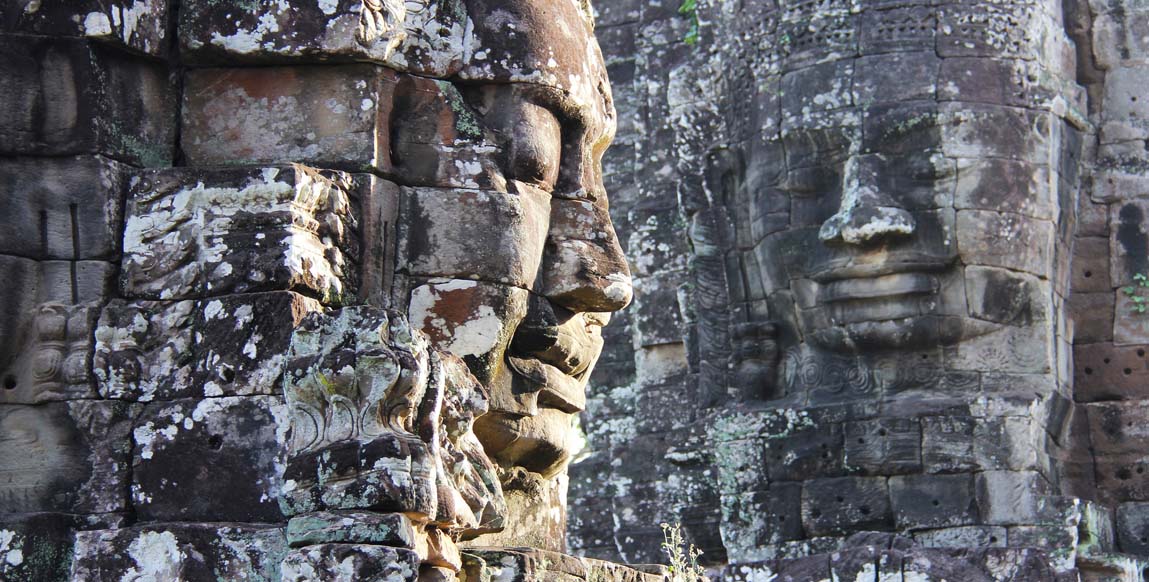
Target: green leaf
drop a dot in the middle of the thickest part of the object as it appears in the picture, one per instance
(1128, 290)
(688, 7)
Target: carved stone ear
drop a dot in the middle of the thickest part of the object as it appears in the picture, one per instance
(724, 175)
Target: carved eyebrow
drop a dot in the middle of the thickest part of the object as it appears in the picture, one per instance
(560, 104)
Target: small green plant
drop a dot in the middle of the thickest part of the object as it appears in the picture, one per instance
(689, 9)
(683, 561)
(1140, 302)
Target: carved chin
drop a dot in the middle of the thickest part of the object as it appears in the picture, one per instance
(908, 332)
(542, 443)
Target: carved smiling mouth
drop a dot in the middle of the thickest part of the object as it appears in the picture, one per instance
(883, 298)
(849, 268)
(557, 389)
(556, 361)
(880, 287)
(899, 287)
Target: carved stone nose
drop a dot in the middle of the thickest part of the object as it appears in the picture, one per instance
(866, 213)
(862, 224)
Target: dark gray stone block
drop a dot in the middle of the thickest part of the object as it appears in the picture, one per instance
(67, 96)
(184, 448)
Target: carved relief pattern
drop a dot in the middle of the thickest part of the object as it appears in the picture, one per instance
(363, 381)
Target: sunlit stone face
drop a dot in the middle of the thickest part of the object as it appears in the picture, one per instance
(919, 225)
(515, 266)
(923, 229)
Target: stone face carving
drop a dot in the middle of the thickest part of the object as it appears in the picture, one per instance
(884, 281)
(252, 312)
(898, 254)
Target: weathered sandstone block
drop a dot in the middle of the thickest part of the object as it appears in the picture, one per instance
(62, 208)
(69, 457)
(424, 37)
(501, 241)
(361, 562)
(228, 346)
(194, 233)
(68, 96)
(325, 116)
(138, 25)
(181, 448)
(183, 552)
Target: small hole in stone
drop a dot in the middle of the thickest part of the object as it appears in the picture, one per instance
(1124, 474)
(816, 514)
(1088, 371)
(781, 518)
(826, 455)
(1127, 371)
(1144, 540)
(865, 509)
(228, 375)
(1140, 470)
(1088, 274)
(925, 356)
(936, 503)
(882, 432)
(840, 498)
(215, 442)
(1140, 353)
(9, 382)
(861, 441)
(993, 539)
(1105, 360)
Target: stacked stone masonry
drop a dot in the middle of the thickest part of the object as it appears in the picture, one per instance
(774, 144)
(318, 290)
(299, 290)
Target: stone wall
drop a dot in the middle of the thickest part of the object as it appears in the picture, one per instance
(706, 106)
(271, 268)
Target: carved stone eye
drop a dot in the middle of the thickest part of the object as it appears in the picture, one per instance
(811, 181)
(537, 146)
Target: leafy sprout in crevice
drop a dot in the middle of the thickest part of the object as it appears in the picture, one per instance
(689, 9)
(1140, 301)
(683, 561)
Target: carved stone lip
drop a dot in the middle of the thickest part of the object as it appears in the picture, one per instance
(883, 286)
(843, 269)
(556, 388)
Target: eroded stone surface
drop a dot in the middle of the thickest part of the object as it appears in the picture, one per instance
(180, 552)
(192, 233)
(425, 37)
(163, 350)
(68, 96)
(139, 25)
(241, 437)
(67, 457)
(380, 421)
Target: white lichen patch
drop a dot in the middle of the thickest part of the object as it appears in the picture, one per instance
(11, 548)
(157, 556)
(97, 24)
(477, 334)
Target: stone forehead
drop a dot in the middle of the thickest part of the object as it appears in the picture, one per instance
(545, 43)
